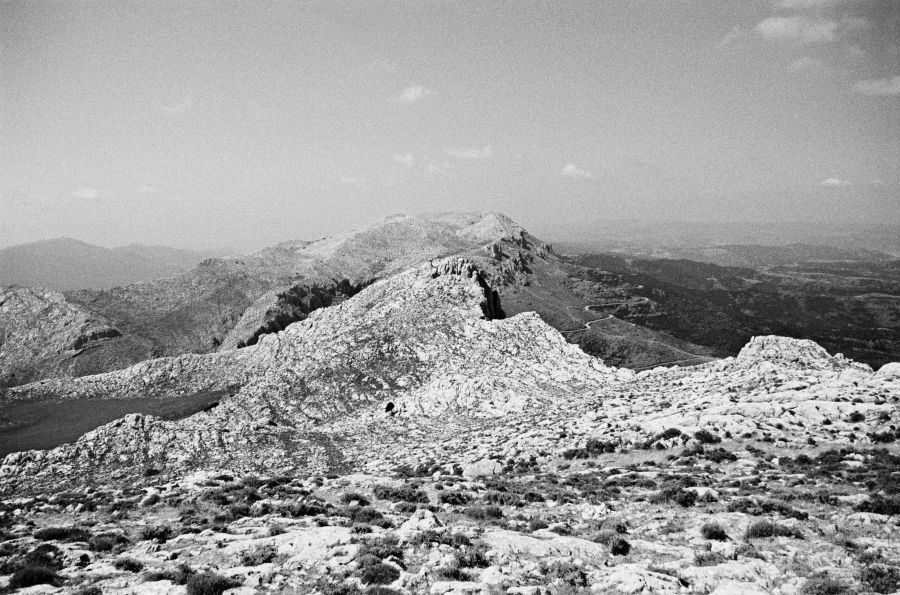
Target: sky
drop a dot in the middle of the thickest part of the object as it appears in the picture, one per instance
(242, 124)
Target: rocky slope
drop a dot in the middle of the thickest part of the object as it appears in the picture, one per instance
(231, 302)
(412, 439)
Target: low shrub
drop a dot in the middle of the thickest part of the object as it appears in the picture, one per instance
(454, 498)
(210, 583)
(451, 573)
(62, 534)
(34, 574)
(179, 576)
(708, 559)
(824, 584)
(401, 494)
(879, 504)
(350, 497)
(379, 574)
(706, 437)
(472, 556)
(713, 531)
(484, 513)
(106, 542)
(161, 533)
(262, 554)
(128, 564)
(881, 578)
(381, 548)
(765, 529)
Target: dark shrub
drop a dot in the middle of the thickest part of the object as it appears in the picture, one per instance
(706, 437)
(619, 546)
(106, 542)
(210, 583)
(262, 554)
(369, 516)
(379, 574)
(708, 559)
(161, 533)
(62, 534)
(764, 529)
(382, 548)
(472, 556)
(33, 574)
(451, 573)
(430, 536)
(401, 494)
(179, 576)
(454, 498)
(483, 513)
(880, 505)
(128, 565)
(91, 590)
(881, 578)
(824, 585)
(719, 455)
(669, 433)
(856, 417)
(713, 531)
(350, 497)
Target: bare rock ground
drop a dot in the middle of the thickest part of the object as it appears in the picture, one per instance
(410, 441)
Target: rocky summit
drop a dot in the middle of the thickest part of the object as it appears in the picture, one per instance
(415, 438)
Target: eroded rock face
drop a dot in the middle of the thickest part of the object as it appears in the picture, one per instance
(426, 340)
(41, 330)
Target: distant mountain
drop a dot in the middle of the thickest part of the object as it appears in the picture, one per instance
(758, 256)
(64, 264)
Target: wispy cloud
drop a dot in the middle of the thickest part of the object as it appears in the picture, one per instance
(471, 153)
(879, 87)
(570, 170)
(88, 194)
(407, 159)
(358, 183)
(804, 63)
(797, 29)
(834, 182)
(149, 190)
(179, 107)
(413, 94)
(734, 35)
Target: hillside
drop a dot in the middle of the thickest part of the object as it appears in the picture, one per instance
(414, 437)
(65, 264)
(230, 302)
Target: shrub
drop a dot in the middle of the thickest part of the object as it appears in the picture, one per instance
(379, 574)
(62, 534)
(210, 583)
(451, 573)
(708, 559)
(856, 417)
(33, 574)
(128, 564)
(91, 590)
(566, 573)
(617, 544)
(350, 497)
(382, 548)
(823, 584)
(765, 529)
(430, 536)
(179, 576)
(261, 554)
(161, 533)
(106, 542)
(880, 505)
(719, 455)
(484, 512)
(454, 498)
(881, 578)
(401, 494)
(713, 531)
(706, 437)
(369, 516)
(472, 556)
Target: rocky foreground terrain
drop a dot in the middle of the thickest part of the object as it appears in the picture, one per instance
(414, 439)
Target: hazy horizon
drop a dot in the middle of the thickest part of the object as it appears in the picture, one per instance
(201, 125)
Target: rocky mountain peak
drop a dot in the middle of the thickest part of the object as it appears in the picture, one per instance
(793, 352)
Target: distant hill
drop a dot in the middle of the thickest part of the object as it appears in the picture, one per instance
(65, 263)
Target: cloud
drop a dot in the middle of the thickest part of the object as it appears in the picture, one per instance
(736, 34)
(570, 170)
(149, 190)
(358, 183)
(87, 194)
(879, 87)
(413, 94)
(484, 152)
(179, 107)
(797, 29)
(408, 160)
(804, 63)
(834, 182)
(801, 4)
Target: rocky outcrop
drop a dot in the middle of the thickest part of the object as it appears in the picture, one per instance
(41, 332)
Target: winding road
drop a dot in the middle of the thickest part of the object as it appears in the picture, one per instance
(589, 308)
